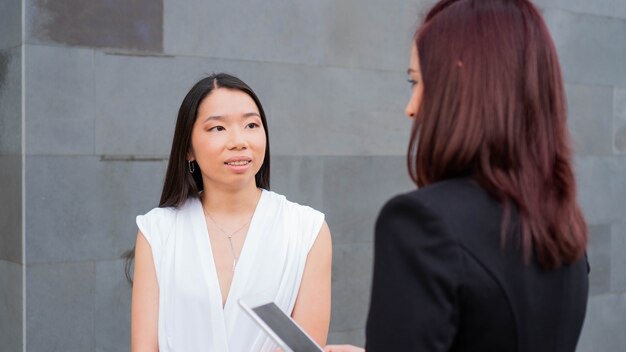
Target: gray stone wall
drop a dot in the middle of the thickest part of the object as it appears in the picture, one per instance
(102, 84)
(11, 176)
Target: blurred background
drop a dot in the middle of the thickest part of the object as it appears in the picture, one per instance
(89, 92)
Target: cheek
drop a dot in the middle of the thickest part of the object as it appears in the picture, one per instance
(196, 140)
(204, 145)
(261, 146)
(259, 140)
(259, 153)
(417, 99)
(413, 100)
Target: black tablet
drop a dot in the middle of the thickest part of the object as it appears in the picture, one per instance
(280, 327)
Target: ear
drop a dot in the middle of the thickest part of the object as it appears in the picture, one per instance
(190, 156)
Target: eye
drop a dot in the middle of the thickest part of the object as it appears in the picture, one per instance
(253, 125)
(216, 129)
(412, 82)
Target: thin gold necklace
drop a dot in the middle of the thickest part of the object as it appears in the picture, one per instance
(230, 237)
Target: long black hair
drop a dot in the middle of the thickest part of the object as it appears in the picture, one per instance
(180, 184)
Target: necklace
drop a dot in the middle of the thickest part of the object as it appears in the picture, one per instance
(230, 237)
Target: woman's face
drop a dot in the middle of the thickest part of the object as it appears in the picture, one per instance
(417, 88)
(228, 139)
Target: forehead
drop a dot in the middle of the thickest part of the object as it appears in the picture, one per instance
(414, 57)
(414, 65)
(226, 101)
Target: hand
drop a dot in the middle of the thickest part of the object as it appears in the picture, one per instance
(343, 348)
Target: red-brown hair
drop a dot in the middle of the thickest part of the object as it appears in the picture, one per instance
(493, 107)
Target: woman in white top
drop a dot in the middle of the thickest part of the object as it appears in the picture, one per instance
(219, 235)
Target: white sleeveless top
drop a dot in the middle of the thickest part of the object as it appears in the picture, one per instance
(270, 268)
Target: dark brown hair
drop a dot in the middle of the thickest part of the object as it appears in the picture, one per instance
(493, 107)
(180, 184)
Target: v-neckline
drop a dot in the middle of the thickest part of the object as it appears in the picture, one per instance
(213, 279)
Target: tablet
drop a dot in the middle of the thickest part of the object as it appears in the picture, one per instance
(280, 327)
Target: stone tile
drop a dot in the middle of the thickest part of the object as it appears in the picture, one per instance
(11, 101)
(335, 113)
(281, 30)
(619, 121)
(601, 188)
(10, 24)
(11, 305)
(133, 25)
(608, 8)
(370, 34)
(11, 208)
(604, 324)
(84, 208)
(354, 337)
(328, 33)
(591, 48)
(322, 117)
(60, 307)
(351, 283)
(299, 178)
(599, 252)
(356, 188)
(147, 92)
(590, 118)
(60, 101)
(618, 260)
(113, 297)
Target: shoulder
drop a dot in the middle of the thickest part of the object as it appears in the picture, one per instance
(293, 208)
(159, 222)
(445, 191)
(413, 231)
(448, 206)
(455, 212)
(160, 212)
(158, 215)
(300, 222)
(449, 199)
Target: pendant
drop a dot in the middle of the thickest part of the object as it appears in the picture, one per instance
(232, 249)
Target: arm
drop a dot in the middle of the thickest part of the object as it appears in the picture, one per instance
(145, 300)
(312, 308)
(414, 291)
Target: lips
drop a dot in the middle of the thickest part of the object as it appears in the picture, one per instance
(238, 163)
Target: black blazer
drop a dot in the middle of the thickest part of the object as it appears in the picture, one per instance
(442, 281)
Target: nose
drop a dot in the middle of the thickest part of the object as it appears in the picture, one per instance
(411, 107)
(237, 140)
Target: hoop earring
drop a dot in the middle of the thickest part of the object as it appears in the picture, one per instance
(192, 167)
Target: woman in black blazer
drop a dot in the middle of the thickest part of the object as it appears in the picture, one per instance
(489, 253)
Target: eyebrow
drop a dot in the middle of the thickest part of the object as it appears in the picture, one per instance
(220, 117)
(409, 71)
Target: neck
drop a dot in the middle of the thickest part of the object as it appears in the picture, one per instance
(220, 201)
